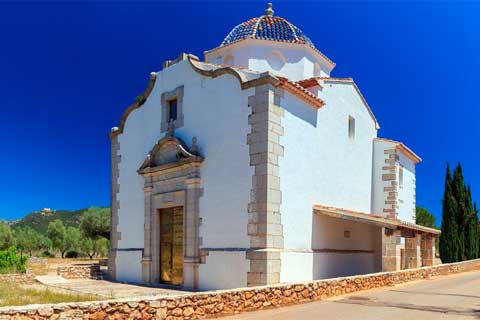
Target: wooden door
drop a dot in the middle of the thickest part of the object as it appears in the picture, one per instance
(171, 245)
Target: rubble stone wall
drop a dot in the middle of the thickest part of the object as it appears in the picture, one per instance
(89, 271)
(19, 278)
(216, 303)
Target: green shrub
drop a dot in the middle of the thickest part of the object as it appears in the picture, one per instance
(47, 254)
(11, 262)
(71, 254)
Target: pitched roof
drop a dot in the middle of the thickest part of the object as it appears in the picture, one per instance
(306, 83)
(374, 219)
(296, 89)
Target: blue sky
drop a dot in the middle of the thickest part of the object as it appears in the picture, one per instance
(68, 70)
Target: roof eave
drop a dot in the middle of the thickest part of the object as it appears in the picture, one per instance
(363, 217)
(404, 149)
(350, 81)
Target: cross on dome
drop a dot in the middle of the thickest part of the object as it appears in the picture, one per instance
(269, 11)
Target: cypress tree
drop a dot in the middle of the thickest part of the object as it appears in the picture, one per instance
(449, 241)
(471, 236)
(475, 210)
(461, 215)
(477, 229)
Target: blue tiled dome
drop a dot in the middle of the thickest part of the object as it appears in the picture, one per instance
(267, 27)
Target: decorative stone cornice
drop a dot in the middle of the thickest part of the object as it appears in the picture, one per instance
(184, 156)
(264, 78)
(219, 70)
(137, 104)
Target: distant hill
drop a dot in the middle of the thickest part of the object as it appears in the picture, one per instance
(39, 220)
(9, 222)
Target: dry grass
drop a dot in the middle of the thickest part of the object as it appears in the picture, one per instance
(16, 295)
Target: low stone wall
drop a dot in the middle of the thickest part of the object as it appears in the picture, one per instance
(215, 303)
(19, 278)
(79, 271)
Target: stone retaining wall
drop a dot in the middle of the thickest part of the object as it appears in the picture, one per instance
(215, 303)
(81, 271)
(19, 278)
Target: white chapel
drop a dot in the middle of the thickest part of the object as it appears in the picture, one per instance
(255, 166)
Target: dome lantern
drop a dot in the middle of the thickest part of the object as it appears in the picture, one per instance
(269, 11)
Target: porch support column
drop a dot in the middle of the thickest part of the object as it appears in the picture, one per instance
(411, 251)
(390, 253)
(428, 249)
(418, 238)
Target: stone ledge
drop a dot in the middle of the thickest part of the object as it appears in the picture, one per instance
(215, 303)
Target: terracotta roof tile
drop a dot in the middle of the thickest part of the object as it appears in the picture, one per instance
(347, 214)
(301, 92)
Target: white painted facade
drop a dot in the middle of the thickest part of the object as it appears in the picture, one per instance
(406, 190)
(322, 163)
(216, 113)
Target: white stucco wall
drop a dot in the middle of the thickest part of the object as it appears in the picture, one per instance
(378, 193)
(224, 270)
(341, 260)
(216, 112)
(127, 268)
(332, 265)
(406, 192)
(293, 61)
(322, 165)
(330, 234)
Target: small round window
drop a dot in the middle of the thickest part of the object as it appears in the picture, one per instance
(276, 60)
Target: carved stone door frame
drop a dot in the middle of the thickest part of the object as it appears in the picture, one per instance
(171, 179)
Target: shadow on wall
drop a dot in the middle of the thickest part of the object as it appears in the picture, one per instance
(344, 248)
(301, 110)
